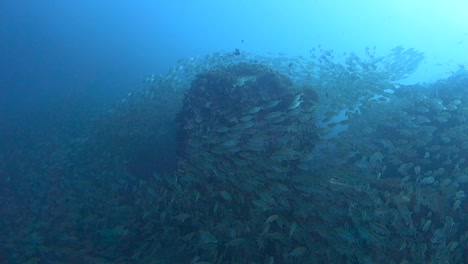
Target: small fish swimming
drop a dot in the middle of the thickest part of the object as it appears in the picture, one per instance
(254, 110)
(294, 105)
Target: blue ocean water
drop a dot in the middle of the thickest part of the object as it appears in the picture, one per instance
(233, 132)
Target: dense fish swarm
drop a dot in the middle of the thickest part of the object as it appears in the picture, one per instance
(241, 158)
